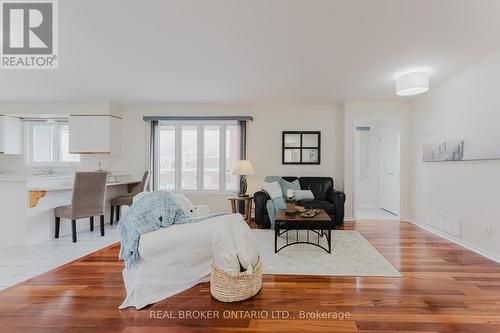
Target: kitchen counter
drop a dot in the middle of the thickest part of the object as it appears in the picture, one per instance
(28, 177)
(60, 182)
(27, 205)
(69, 186)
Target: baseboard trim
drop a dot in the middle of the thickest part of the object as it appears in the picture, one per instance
(401, 219)
(351, 219)
(460, 242)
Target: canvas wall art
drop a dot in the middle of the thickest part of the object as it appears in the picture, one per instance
(461, 150)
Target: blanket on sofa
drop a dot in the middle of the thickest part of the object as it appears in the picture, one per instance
(274, 205)
(151, 212)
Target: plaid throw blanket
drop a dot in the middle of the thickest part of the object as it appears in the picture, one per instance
(154, 210)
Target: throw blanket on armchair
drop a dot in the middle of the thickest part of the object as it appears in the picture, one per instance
(274, 205)
(154, 210)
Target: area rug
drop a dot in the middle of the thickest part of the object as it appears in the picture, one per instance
(352, 255)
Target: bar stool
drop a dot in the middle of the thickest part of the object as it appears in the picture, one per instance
(89, 192)
(126, 200)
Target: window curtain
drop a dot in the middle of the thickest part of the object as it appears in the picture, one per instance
(153, 154)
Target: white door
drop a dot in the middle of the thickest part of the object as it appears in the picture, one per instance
(390, 134)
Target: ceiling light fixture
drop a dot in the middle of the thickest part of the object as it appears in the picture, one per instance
(412, 83)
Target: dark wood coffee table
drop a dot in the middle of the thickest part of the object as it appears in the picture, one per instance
(320, 226)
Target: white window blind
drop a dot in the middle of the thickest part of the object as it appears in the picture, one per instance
(196, 155)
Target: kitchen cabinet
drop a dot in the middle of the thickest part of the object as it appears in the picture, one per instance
(11, 135)
(94, 134)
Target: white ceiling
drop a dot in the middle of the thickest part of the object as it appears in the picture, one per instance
(293, 51)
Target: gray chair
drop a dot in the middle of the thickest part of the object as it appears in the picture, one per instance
(126, 200)
(89, 192)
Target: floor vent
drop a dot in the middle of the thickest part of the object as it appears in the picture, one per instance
(446, 224)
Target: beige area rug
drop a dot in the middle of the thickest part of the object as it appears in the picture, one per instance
(352, 255)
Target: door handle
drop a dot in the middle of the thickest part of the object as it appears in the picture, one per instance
(390, 174)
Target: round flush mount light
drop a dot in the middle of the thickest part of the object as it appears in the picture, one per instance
(412, 83)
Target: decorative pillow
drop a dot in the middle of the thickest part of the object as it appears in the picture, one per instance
(245, 243)
(273, 189)
(271, 179)
(303, 195)
(285, 186)
(223, 250)
(186, 204)
(201, 211)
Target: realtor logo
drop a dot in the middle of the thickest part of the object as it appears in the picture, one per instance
(29, 34)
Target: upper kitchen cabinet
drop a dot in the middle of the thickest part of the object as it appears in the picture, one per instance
(11, 135)
(94, 134)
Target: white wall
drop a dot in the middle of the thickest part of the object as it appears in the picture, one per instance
(390, 110)
(469, 191)
(263, 139)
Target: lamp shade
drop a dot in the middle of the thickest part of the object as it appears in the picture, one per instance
(412, 83)
(243, 167)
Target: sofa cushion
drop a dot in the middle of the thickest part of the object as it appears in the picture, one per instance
(286, 185)
(303, 195)
(273, 190)
(320, 204)
(185, 204)
(318, 185)
(270, 179)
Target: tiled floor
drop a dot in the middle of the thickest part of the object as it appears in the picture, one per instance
(18, 263)
(374, 214)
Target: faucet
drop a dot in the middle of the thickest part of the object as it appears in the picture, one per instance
(48, 171)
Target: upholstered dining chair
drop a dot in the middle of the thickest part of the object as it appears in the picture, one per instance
(126, 200)
(89, 192)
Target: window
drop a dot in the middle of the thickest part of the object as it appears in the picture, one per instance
(211, 156)
(167, 157)
(189, 158)
(48, 143)
(197, 156)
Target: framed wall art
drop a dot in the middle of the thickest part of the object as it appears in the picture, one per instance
(301, 147)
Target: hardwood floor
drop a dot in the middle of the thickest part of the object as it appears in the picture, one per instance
(444, 288)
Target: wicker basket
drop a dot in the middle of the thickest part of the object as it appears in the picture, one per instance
(235, 287)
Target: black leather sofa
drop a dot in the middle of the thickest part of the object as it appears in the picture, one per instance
(325, 197)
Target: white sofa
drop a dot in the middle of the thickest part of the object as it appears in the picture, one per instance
(173, 259)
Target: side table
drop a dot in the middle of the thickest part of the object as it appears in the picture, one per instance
(248, 206)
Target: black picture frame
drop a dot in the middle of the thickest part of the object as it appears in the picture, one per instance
(300, 147)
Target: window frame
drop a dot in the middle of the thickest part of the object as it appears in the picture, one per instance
(200, 125)
(56, 145)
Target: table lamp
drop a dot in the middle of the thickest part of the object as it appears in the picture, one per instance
(243, 168)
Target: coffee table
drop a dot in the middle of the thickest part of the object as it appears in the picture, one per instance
(318, 226)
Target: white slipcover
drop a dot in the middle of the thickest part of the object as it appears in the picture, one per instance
(172, 260)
